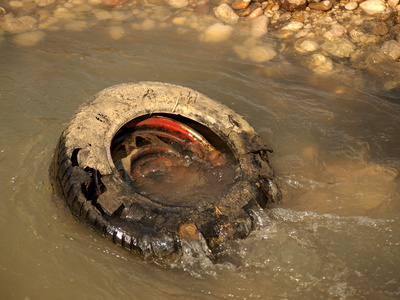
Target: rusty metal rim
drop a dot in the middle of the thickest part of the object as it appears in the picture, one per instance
(165, 138)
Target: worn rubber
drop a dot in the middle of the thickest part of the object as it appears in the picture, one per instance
(83, 158)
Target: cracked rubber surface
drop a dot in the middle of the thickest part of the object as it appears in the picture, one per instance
(84, 175)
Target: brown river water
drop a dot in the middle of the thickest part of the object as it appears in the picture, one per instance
(336, 154)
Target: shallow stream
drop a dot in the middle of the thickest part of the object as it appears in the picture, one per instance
(336, 154)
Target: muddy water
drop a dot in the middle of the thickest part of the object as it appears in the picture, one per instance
(183, 184)
(337, 157)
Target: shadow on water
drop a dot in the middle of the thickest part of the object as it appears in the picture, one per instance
(337, 157)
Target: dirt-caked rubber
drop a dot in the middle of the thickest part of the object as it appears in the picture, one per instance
(83, 172)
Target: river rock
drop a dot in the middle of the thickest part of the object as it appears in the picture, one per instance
(305, 46)
(121, 16)
(180, 21)
(292, 5)
(64, 14)
(259, 26)
(147, 24)
(178, 3)
(116, 32)
(103, 15)
(319, 63)
(391, 49)
(395, 29)
(240, 4)
(44, 2)
(335, 32)
(303, 33)
(339, 47)
(262, 53)
(373, 7)
(293, 26)
(216, 33)
(241, 51)
(114, 2)
(393, 3)
(226, 14)
(380, 29)
(29, 39)
(16, 4)
(255, 13)
(203, 7)
(248, 10)
(322, 5)
(18, 25)
(351, 5)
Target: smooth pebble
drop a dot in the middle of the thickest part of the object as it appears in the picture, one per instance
(44, 2)
(260, 54)
(148, 24)
(216, 33)
(373, 7)
(15, 4)
(351, 5)
(116, 32)
(29, 39)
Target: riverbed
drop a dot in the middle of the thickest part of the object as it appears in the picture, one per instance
(336, 157)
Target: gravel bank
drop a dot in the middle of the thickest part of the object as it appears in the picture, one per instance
(324, 36)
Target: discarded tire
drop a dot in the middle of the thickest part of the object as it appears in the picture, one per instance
(151, 132)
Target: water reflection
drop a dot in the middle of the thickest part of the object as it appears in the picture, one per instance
(337, 155)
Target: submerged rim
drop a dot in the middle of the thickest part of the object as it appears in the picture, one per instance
(151, 151)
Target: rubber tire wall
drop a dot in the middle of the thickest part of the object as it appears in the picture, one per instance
(83, 152)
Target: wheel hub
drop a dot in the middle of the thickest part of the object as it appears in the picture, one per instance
(168, 161)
